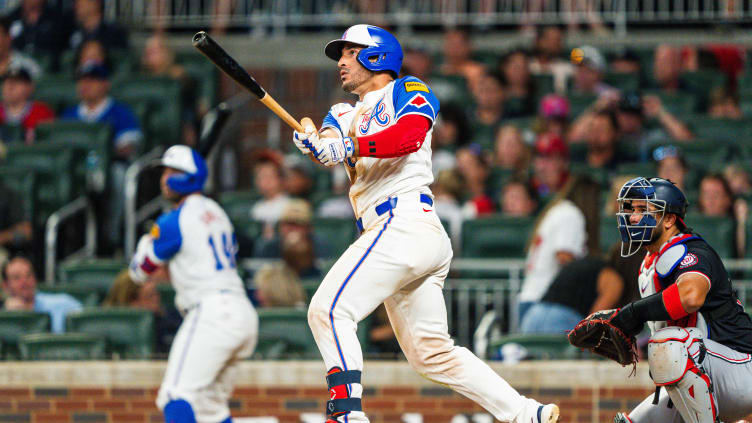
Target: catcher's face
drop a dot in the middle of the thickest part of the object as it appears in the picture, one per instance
(641, 208)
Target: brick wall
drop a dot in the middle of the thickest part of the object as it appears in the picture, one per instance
(125, 392)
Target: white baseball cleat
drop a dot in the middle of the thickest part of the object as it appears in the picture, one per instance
(548, 413)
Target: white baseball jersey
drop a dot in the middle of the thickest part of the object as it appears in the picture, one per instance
(199, 242)
(377, 179)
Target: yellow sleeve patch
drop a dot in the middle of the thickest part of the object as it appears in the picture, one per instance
(154, 232)
(415, 86)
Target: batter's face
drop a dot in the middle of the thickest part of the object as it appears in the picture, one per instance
(167, 193)
(351, 73)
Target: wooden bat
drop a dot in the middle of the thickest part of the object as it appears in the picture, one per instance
(206, 45)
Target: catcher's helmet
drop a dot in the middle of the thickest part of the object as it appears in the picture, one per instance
(661, 196)
(192, 166)
(379, 44)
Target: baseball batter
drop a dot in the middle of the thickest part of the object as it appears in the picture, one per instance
(701, 342)
(402, 256)
(196, 240)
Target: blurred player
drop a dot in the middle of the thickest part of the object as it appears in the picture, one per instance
(402, 256)
(197, 242)
(701, 339)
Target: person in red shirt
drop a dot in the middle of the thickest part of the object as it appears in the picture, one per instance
(17, 108)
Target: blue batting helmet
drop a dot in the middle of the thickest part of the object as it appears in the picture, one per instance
(192, 166)
(661, 196)
(379, 44)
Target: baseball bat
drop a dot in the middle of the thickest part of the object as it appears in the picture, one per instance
(206, 45)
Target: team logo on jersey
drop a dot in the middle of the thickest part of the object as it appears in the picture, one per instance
(415, 86)
(418, 101)
(688, 260)
(377, 114)
(154, 232)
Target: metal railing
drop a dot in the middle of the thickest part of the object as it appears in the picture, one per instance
(52, 229)
(133, 214)
(280, 15)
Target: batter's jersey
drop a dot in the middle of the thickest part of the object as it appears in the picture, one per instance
(374, 180)
(199, 242)
(722, 317)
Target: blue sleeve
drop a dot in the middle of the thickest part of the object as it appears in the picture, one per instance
(331, 122)
(125, 123)
(168, 239)
(412, 96)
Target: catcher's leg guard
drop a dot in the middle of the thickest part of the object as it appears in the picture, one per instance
(622, 418)
(671, 356)
(340, 402)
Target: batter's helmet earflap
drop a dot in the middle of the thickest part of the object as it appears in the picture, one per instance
(382, 51)
(192, 166)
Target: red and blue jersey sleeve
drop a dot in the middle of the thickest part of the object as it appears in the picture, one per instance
(413, 97)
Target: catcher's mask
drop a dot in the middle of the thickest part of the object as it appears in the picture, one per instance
(660, 196)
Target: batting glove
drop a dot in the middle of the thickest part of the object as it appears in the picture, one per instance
(335, 150)
(305, 140)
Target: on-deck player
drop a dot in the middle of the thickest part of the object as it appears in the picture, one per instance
(196, 240)
(701, 342)
(402, 256)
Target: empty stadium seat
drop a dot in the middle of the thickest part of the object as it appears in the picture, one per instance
(164, 97)
(623, 81)
(203, 72)
(496, 236)
(14, 324)
(337, 233)
(62, 346)
(247, 231)
(96, 274)
(129, 332)
(702, 83)
(707, 128)
(609, 232)
(450, 89)
(237, 204)
(717, 231)
(284, 332)
(22, 183)
(59, 91)
(166, 295)
(538, 346)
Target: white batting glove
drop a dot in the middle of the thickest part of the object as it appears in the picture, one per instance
(334, 150)
(303, 140)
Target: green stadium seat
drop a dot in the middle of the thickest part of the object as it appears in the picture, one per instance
(62, 346)
(247, 231)
(679, 104)
(53, 166)
(711, 129)
(56, 90)
(599, 175)
(538, 346)
(609, 232)
(203, 72)
(164, 97)
(129, 332)
(14, 324)
(22, 183)
(83, 294)
(338, 233)
(544, 84)
(166, 295)
(717, 231)
(450, 89)
(702, 83)
(578, 103)
(496, 236)
(521, 123)
(237, 204)
(646, 169)
(284, 333)
(623, 81)
(96, 275)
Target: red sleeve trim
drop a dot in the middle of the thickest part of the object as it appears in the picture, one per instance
(672, 302)
(403, 138)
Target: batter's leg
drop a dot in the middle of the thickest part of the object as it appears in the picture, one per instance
(418, 315)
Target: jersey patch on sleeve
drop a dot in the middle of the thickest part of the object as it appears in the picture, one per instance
(415, 86)
(170, 239)
(688, 260)
(154, 232)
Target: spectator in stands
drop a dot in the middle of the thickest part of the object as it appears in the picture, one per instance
(418, 63)
(15, 225)
(667, 68)
(17, 107)
(671, 165)
(159, 60)
(601, 140)
(268, 179)
(547, 59)
(739, 180)
(567, 229)
(92, 51)
(457, 57)
(489, 109)
(90, 25)
(299, 252)
(474, 170)
(451, 131)
(510, 152)
(582, 287)
(448, 190)
(278, 286)
(93, 87)
(626, 62)
(295, 218)
(299, 174)
(724, 104)
(37, 29)
(518, 199)
(381, 338)
(519, 86)
(338, 203)
(550, 165)
(20, 288)
(553, 115)
(716, 197)
(10, 58)
(588, 75)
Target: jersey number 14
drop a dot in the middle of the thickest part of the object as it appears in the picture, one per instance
(229, 248)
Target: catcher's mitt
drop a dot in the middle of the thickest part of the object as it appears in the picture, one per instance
(598, 334)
